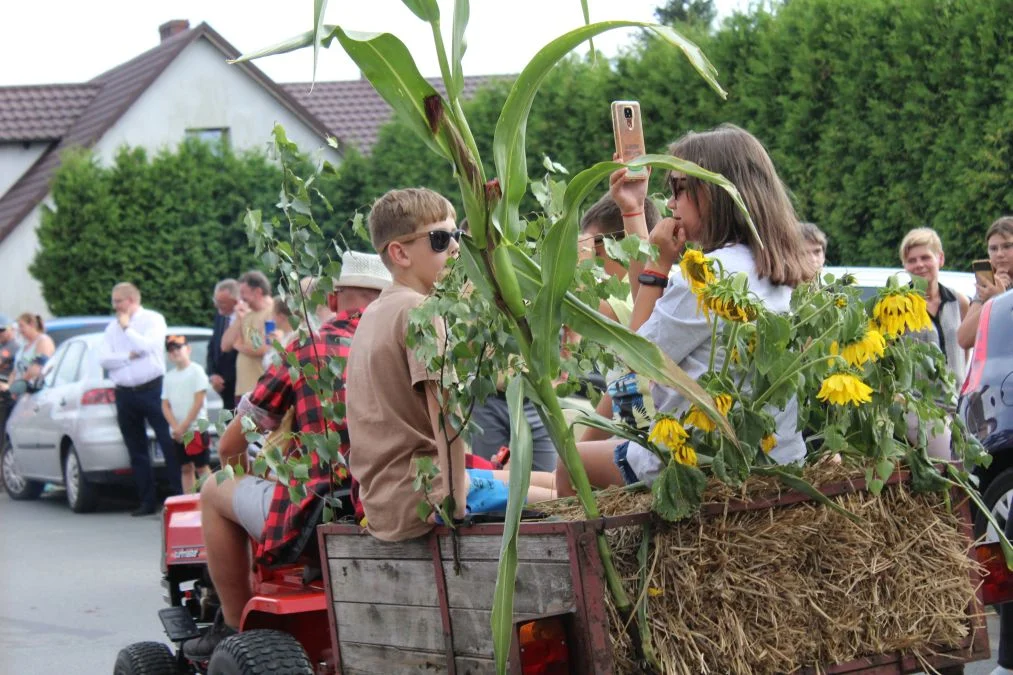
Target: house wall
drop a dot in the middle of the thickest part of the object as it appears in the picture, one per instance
(197, 90)
(15, 159)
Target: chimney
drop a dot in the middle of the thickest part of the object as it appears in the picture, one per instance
(174, 27)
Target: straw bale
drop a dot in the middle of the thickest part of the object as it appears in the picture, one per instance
(778, 589)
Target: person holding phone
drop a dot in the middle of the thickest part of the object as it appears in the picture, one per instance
(665, 309)
(999, 240)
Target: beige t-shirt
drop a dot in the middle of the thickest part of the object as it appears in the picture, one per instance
(250, 368)
(388, 420)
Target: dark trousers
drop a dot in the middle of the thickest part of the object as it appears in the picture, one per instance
(229, 396)
(133, 408)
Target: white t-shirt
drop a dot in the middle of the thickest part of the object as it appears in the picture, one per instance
(684, 335)
(179, 388)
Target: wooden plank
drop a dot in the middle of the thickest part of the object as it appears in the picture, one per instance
(367, 546)
(360, 659)
(416, 628)
(536, 547)
(541, 588)
(388, 582)
(391, 625)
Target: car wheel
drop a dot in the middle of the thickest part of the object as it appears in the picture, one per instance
(259, 651)
(82, 496)
(18, 487)
(997, 498)
(145, 658)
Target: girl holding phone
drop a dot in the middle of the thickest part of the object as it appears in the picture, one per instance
(665, 309)
(999, 240)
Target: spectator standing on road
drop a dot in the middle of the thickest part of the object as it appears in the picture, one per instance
(246, 335)
(221, 365)
(133, 353)
(36, 348)
(815, 245)
(9, 347)
(999, 240)
(184, 404)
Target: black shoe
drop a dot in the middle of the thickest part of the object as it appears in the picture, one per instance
(143, 510)
(200, 649)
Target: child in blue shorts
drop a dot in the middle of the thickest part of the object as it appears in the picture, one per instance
(393, 401)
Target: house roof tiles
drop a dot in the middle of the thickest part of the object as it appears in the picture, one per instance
(42, 112)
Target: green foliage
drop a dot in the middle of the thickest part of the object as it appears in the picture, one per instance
(170, 223)
(686, 11)
(881, 115)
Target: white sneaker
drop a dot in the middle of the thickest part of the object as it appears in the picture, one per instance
(999, 670)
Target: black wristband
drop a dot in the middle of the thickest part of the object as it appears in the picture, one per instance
(652, 280)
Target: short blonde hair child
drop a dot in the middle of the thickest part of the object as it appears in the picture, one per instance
(399, 213)
(921, 236)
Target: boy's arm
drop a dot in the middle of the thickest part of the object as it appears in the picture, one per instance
(167, 413)
(198, 403)
(455, 451)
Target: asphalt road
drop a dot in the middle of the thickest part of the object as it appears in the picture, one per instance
(76, 589)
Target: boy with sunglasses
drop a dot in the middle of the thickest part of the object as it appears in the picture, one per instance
(393, 401)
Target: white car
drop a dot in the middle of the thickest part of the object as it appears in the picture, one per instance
(869, 279)
(65, 432)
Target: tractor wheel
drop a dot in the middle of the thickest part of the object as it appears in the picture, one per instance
(145, 658)
(260, 652)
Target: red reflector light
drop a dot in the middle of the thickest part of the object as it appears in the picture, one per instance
(544, 650)
(977, 369)
(98, 397)
(997, 581)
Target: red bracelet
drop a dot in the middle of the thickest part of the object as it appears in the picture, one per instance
(657, 275)
(631, 215)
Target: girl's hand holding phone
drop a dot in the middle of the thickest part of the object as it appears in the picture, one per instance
(987, 291)
(629, 195)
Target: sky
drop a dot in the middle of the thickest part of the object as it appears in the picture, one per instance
(72, 41)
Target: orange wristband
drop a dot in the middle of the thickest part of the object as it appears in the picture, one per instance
(634, 214)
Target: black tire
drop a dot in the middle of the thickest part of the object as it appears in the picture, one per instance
(18, 488)
(82, 496)
(997, 496)
(260, 652)
(145, 658)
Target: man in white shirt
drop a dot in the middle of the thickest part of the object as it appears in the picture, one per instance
(133, 355)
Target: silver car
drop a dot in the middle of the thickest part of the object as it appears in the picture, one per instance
(65, 432)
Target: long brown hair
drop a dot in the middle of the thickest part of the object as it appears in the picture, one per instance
(741, 158)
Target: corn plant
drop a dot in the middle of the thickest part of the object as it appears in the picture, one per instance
(535, 300)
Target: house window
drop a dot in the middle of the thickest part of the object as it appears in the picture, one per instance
(216, 137)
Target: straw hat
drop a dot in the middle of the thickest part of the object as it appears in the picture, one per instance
(363, 270)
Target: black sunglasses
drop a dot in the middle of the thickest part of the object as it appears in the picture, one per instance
(439, 240)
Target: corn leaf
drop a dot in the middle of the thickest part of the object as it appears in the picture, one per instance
(319, 30)
(509, 138)
(520, 478)
(458, 45)
(587, 22)
(386, 63)
(638, 353)
(427, 10)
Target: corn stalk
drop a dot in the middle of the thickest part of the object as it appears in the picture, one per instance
(496, 265)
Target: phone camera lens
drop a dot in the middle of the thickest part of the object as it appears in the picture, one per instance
(628, 112)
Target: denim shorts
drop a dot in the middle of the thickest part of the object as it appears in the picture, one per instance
(485, 493)
(619, 455)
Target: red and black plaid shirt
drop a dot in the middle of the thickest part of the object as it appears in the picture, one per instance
(275, 393)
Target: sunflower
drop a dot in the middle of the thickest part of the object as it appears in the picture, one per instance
(844, 388)
(902, 311)
(767, 443)
(684, 455)
(700, 420)
(841, 301)
(730, 309)
(668, 432)
(696, 270)
(871, 347)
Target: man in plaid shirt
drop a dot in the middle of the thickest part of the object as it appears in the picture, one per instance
(235, 510)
